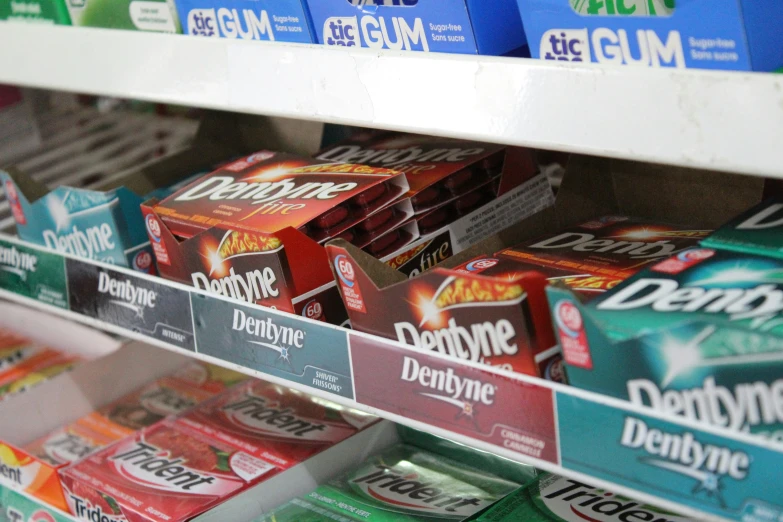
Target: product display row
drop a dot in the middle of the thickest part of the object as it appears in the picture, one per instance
(729, 34)
(200, 442)
(263, 259)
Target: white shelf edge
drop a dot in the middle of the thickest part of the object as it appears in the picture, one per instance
(716, 120)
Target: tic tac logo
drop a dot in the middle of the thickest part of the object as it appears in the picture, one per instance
(16, 262)
(683, 454)
(202, 22)
(342, 31)
(229, 23)
(604, 45)
(565, 45)
(449, 387)
(376, 32)
(412, 492)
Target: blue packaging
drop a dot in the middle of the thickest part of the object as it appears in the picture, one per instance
(716, 34)
(446, 26)
(276, 20)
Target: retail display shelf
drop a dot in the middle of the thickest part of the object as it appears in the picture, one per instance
(708, 473)
(715, 120)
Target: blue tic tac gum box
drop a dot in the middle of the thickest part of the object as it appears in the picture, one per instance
(448, 26)
(715, 34)
(277, 20)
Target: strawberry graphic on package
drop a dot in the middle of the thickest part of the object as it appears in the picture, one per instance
(166, 473)
(275, 423)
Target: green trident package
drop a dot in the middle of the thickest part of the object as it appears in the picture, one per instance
(402, 484)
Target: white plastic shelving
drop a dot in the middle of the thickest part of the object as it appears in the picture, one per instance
(715, 120)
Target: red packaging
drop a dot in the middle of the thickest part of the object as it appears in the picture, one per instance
(463, 315)
(165, 473)
(439, 170)
(274, 423)
(585, 284)
(149, 404)
(235, 249)
(270, 191)
(615, 247)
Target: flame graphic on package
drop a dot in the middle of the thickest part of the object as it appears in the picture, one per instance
(459, 292)
(236, 243)
(649, 232)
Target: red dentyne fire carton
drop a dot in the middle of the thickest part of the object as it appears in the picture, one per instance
(270, 191)
(274, 423)
(463, 315)
(592, 257)
(165, 473)
(438, 170)
(251, 230)
(611, 246)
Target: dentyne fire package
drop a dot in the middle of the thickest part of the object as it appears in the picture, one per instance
(757, 231)
(600, 252)
(698, 335)
(251, 230)
(274, 20)
(721, 34)
(274, 423)
(460, 191)
(438, 170)
(165, 473)
(480, 319)
(556, 499)
(448, 26)
(402, 484)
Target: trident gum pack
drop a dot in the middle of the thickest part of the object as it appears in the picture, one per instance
(273, 423)
(165, 473)
(721, 34)
(446, 26)
(402, 484)
(251, 230)
(699, 334)
(556, 499)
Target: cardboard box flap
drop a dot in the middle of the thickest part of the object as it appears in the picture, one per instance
(379, 272)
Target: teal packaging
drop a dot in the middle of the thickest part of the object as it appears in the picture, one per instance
(103, 225)
(717, 34)
(35, 11)
(698, 335)
(757, 231)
